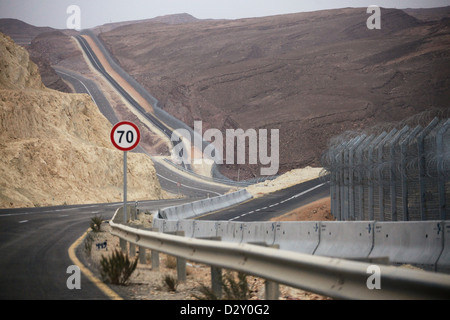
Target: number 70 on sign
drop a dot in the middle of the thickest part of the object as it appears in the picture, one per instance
(125, 136)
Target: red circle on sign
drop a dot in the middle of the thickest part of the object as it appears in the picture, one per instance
(120, 138)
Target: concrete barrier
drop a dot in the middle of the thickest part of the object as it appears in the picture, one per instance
(415, 242)
(301, 236)
(158, 223)
(229, 231)
(425, 244)
(197, 208)
(258, 232)
(443, 264)
(169, 226)
(346, 239)
(186, 226)
(205, 229)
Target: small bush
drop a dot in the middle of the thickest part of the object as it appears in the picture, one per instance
(206, 293)
(117, 268)
(96, 223)
(171, 282)
(236, 290)
(233, 289)
(88, 241)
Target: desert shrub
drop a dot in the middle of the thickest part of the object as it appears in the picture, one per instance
(117, 268)
(96, 223)
(233, 288)
(171, 282)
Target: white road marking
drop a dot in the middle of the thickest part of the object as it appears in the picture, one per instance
(278, 203)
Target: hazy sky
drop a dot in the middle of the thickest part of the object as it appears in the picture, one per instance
(53, 13)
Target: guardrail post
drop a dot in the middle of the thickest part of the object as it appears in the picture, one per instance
(181, 263)
(132, 250)
(216, 281)
(272, 288)
(155, 260)
(123, 246)
(216, 273)
(142, 255)
(155, 255)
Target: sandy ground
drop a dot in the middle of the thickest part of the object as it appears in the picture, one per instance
(285, 180)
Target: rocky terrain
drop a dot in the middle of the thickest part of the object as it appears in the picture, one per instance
(55, 148)
(310, 75)
(51, 49)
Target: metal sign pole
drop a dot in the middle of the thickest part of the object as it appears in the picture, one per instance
(125, 187)
(125, 136)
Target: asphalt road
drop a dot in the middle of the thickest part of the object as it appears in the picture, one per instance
(34, 246)
(35, 242)
(274, 204)
(34, 249)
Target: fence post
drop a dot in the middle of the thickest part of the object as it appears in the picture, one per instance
(421, 158)
(440, 169)
(380, 166)
(370, 173)
(341, 184)
(352, 174)
(361, 173)
(393, 177)
(403, 173)
(336, 163)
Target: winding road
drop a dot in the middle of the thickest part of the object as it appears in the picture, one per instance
(35, 243)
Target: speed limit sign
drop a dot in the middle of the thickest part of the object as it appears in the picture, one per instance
(125, 136)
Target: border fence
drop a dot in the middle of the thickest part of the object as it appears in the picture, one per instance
(396, 175)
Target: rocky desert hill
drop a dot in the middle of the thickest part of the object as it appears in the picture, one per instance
(21, 32)
(54, 147)
(311, 75)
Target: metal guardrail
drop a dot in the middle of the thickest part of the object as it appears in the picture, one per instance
(332, 277)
